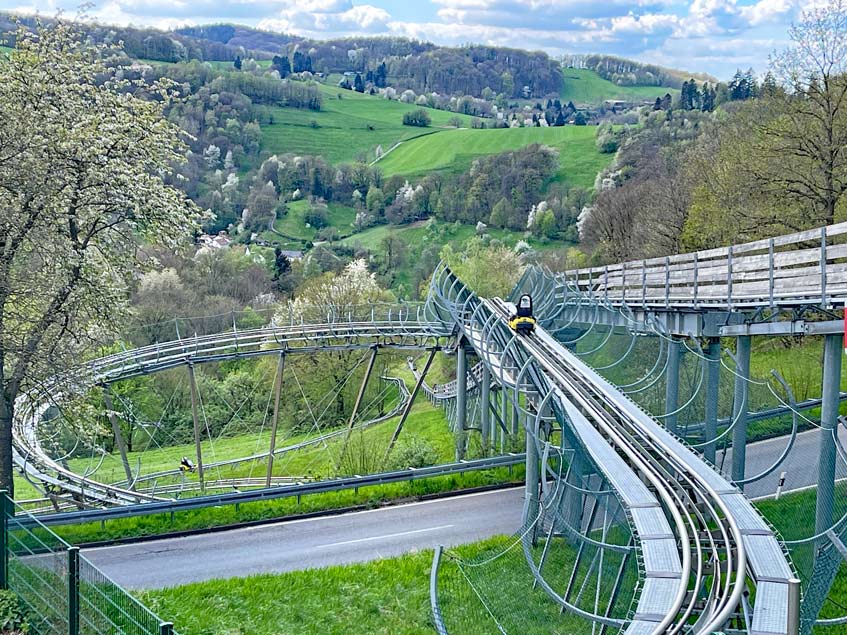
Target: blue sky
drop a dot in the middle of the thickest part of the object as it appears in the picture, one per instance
(715, 36)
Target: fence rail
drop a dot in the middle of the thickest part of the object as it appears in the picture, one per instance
(64, 593)
(805, 268)
(271, 493)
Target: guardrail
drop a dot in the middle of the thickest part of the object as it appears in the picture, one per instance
(63, 592)
(804, 268)
(273, 493)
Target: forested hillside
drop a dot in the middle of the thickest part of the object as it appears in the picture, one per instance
(769, 160)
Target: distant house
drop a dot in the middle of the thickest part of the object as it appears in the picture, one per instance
(617, 105)
(221, 241)
(292, 254)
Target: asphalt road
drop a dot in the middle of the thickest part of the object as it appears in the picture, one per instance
(318, 542)
(800, 466)
(382, 533)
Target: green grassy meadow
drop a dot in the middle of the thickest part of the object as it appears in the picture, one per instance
(293, 224)
(454, 150)
(350, 125)
(426, 421)
(583, 86)
(392, 595)
(384, 597)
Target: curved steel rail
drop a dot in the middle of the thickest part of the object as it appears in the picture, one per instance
(393, 328)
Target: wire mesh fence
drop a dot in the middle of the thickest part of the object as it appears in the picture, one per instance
(63, 592)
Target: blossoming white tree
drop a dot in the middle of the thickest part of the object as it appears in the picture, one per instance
(82, 161)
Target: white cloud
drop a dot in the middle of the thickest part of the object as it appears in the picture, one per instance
(315, 17)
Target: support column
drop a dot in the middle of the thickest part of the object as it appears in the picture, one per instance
(672, 385)
(119, 437)
(713, 377)
(740, 405)
(829, 424)
(195, 415)
(532, 476)
(486, 410)
(358, 403)
(280, 369)
(409, 405)
(461, 399)
(504, 409)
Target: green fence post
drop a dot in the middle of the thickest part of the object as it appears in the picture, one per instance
(166, 628)
(73, 590)
(5, 507)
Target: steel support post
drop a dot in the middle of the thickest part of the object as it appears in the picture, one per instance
(358, 403)
(73, 590)
(829, 427)
(461, 399)
(486, 410)
(532, 477)
(166, 628)
(740, 406)
(195, 415)
(504, 410)
(119, 437)
(280, 370)
(672, 385)
(5, 509)
(713, 378)
(409, 405)
(793, 607)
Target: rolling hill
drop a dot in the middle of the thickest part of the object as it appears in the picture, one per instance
(348, 125)
(582, 86)
(454, 150)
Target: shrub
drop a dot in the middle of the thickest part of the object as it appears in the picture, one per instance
(414, 452)
(419, 118)
(317, 216)
(13, 618)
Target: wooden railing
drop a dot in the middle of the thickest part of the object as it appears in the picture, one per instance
(805, 268)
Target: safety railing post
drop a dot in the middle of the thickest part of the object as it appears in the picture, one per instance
(729, 278)
(73, 590)
(793, 606)
(770, 271)
(5, 508)
(166, 628)
(823, 267)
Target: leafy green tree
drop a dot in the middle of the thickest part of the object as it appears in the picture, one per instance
(81, 166)
(419, 118)
(810, 128)
(490, 270)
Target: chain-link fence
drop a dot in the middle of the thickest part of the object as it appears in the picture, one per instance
(63, 592)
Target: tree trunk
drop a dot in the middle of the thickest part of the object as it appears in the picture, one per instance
(7, 411)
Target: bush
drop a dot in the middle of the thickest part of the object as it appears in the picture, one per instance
(419, 118)
(317, 216)
(414, 452)
(13, 618)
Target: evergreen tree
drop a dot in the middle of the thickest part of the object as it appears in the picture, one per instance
(283, 66)
(381, 76)
(579, 119)
(237, 63)
(560, 119)
(658, 104)
(358, 84)
(707, 100)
